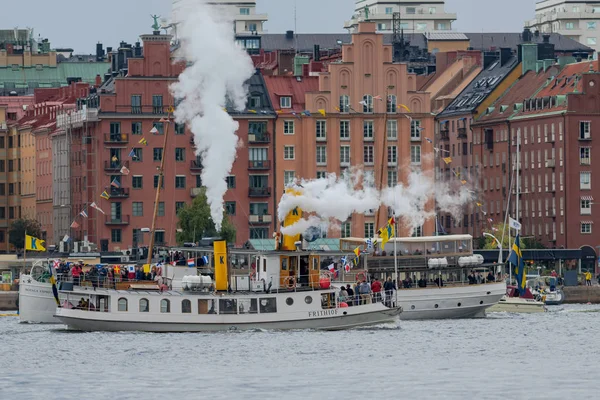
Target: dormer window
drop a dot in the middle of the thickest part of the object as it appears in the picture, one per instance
(285, 102)
(254, 102)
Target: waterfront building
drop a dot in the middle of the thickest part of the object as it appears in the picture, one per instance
(360, 123)
(417, 16)
(578, 20)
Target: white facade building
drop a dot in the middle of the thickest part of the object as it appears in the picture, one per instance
(577, 20)
(417, 16)
(245, 19)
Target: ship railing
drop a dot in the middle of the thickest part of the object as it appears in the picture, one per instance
(99, 281)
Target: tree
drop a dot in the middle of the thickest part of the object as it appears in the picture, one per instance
(195, 222)
(18, 228)
(497, 230)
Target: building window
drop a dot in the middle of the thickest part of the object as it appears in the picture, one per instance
(586, 227)
(244, 11)
(415, 129)
(389, 10)
(259, 233)
(411, 10)
(392, 155)
(160, 128)
(591, 26)
(136, 104)
(179, 129)
(285, 102)
(344, 130)
(136, 154)
(369, 229)
(115, 235)
(321, 155)
(161, 209)
(592, 41)
(586, 206)
(392, 103)
(288, 127)
(159, 238)
(421, 26)
(144, 305)
(230, 207)
(136, 128)
(321, 130)
(289, 177)
(288, 152)
(199, 181)
(137, 209)
(381, 27)
(157, 104)
(178, 206)
(346, 229)
(585, 131)
(432, 10)
(345, 155)
(321, 174)
(11, 165)
(162, 182)
(392, 178)
(418, 231)
(569, 25)
(415, 154)
(368, 130)
(157, 154)
(367, 103)
(259, 209)
(254, 102)
(230, 182)
(344, 103)
(392, 129)
(179, 154)
(251, 27)
(368, 157)
(585, 180)
(180, 182)
(585, 156)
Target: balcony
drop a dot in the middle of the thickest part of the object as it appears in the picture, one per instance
(262, 165)
(260, 219)
(462, 133)
(116, 138)
(585, 137)
(123, 220)
(259, 192)
(115, 166)
(141, 110)
(119, 193)
(416, 138)
(259, 138)
(444, 134)
(551, 163)
(195, 192)
(195, 167)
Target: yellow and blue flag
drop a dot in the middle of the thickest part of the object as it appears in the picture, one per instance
(386, 233)
(54, 288)
(516, 259)
(34, 244)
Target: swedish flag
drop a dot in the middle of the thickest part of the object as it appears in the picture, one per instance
(516, 259)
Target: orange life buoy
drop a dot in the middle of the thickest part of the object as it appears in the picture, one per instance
(290, 282)
(361, 276)
(326, 275)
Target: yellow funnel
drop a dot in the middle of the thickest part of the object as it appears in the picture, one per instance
(220, 249)
(288, 242)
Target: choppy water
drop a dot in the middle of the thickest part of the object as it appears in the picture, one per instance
(505, 356)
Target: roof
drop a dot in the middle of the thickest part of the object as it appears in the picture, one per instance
(319, 244)
(296, 87)
(569, 79)
(478, 41)
(446, 36)
(256, 89)
(480, 87)
(50, 76)
(523, 88)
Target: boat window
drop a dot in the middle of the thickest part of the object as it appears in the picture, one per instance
(144, 305)
(165, 306)
(186, 306)
(227, 306)
(248, 306)
(308, 299)
(122, 304)
(207, 306)
(289, 301)
(268, 305)
(284, 263)
(328, 300)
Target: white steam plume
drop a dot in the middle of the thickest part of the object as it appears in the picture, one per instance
(217, 71)
(337, 199)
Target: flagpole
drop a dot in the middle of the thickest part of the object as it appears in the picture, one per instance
(25, 252)
(395, 252)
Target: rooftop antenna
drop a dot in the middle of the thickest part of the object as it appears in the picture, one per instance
(295, 28)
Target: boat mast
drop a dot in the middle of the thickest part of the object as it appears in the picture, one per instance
(160, 180)
(383, 154)
(518, 189)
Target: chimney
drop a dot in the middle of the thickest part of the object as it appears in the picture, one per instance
(505, 55)
(546, 38)
(317, 53)
(289, 35)
(98, 80)
(526, 35)
(529, 57)
(99, 52)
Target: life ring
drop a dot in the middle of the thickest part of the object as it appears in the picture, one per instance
(326, 275)
(290, 282)
(362, 275)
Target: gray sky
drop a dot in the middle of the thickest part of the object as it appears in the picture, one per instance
(80, 24)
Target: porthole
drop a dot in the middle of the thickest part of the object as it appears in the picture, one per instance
(436, 306)
(481, 302)
(308, 299)
(289, 301)
(412, 307)
(459, 304)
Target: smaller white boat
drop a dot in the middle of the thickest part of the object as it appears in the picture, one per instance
(513, 303)
(545, 289)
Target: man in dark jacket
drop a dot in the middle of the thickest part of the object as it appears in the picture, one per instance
(389, 286)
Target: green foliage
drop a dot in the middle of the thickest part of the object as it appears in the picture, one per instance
(195, 223)
(526, 243)
(18, 228)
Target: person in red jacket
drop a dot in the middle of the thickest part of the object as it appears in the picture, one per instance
(376, 289)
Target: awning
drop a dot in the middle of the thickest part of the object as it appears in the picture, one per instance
(589, 198)
(587, 222)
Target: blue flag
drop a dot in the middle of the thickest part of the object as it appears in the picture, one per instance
(516, 259)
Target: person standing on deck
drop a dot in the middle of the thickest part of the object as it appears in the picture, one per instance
(389, 288)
